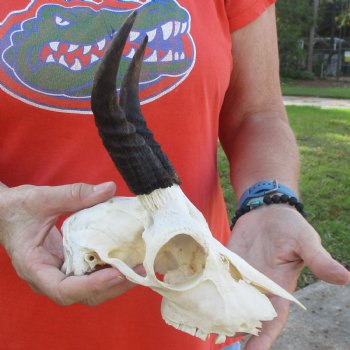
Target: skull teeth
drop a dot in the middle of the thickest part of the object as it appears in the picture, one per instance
(189, 329)
(220, 338)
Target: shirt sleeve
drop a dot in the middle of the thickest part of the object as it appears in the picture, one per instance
(242, 12)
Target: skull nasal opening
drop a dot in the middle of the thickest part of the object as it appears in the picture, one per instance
(181, 260)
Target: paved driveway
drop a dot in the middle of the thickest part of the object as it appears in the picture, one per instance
(318, 102)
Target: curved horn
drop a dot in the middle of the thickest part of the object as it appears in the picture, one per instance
(130, 103)
(132, 147)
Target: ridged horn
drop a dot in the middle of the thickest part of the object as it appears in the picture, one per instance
(130, 103)
(122, 127)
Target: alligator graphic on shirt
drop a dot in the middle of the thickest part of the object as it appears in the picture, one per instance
(56, 52)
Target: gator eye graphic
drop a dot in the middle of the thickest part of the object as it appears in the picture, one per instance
(61, 21)
(49, 55)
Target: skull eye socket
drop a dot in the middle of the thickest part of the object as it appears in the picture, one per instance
(91, 258)
(94, 261)
(181, 260)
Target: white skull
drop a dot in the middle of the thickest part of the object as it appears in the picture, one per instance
(206, 288)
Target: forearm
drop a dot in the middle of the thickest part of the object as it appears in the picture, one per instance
(263, 147)
(254, 130)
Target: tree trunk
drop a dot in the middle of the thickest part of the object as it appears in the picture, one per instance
(312, 36)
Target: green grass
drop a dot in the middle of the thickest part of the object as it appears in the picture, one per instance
(292, 89)
(323, 136)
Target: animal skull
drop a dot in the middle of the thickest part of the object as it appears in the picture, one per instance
(206, 288)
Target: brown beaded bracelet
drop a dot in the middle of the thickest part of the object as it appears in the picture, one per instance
(268, 200)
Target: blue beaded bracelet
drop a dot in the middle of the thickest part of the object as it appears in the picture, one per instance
(261, 188)
(268, 200)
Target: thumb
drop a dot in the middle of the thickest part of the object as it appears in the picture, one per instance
(321, 263)
(70, 198)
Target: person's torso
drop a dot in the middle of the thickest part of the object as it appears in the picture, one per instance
(49, 52)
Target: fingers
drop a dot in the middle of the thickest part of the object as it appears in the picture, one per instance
(319, 261)
(70, 198)
(270, 329)
(46, 201)
(29, 212)
(53, 243)
(323, 265)
(113, 291)
(90, 289)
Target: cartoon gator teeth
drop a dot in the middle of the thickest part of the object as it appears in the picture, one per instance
(72, 47)
(73, 39)
(73, 55)
(151, 35)
(77, 57)
(173, 28)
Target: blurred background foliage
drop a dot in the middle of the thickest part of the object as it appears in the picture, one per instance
(314, 38)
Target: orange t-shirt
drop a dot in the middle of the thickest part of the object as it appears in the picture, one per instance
(48, 55)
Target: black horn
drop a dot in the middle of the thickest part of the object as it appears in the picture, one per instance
(123, 130)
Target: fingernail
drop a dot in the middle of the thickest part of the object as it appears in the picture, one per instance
(104, 187)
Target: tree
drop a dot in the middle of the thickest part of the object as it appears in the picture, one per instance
(343, 14)
(294, 19)
(305, 23)
(312, 32)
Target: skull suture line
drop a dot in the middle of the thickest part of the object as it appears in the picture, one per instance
(206, 288)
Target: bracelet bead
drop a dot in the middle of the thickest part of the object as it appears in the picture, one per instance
(269, 200)
(292, 201)
(276, 198)
(239, 212)
(245, 209)
(284, 198)
(299, 206)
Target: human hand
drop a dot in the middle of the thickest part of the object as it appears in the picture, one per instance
(279, 242)
(28, 233)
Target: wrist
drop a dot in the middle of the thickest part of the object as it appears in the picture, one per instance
(267, 193)
(261, 188)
